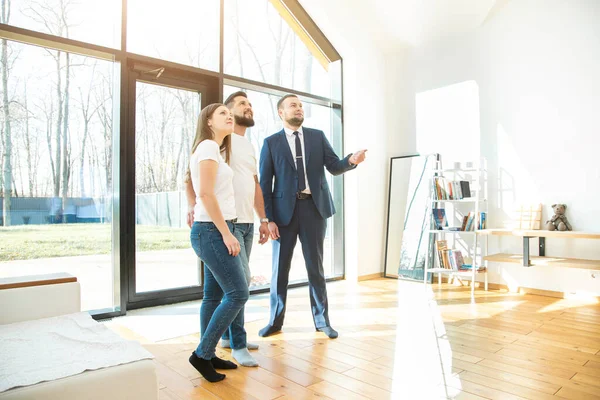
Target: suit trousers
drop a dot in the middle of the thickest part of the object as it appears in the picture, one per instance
(308, 225)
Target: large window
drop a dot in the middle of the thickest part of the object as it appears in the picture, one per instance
(165, 129)
(182, 31)
(260, 46)
(57, 160)
(98, 115)
(91, 21)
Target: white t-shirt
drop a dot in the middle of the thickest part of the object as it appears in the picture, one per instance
(243, 163)
(209, 150)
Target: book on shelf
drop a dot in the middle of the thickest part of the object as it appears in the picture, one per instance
(458, 258)
(442, 247)
(449, 258)
(465, 188)
(445, 189)
(439, 217)
(469, 222)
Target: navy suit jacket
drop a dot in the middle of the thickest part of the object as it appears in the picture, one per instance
(279, 178)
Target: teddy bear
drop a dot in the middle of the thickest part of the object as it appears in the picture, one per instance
(559, 219)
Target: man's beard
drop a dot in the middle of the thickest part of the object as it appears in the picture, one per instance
(244, 121)
(295, 121)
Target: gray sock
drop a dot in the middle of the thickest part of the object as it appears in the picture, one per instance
(244, 357)
(226, 344)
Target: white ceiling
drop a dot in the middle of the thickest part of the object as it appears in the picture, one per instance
(393, 23)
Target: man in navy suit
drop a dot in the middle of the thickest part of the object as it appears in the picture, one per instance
(298, 203)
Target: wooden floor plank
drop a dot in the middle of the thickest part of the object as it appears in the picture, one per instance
(317, 357)
(282, 385)
(487, 333)
(573, 394)
(583, 326)
(538, 385)
(288, 372)
(541, 359)
(529, 352)
(586, 379)
(553, 351)
(582, 338)
(564, 344)
(504, 386)
(326, 388)
(455, 394)
(238, 385)
(484, 391)
(593, 364)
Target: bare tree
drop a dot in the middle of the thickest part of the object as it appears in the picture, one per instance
(55, 21)
(154, 142)
(186, 110)
(28, 146)
(66, 168)
(104, 99)
(48, 111)
(59, 108)
(88, 113)
(7, 166)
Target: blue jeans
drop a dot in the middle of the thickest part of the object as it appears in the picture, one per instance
(244, 234)
(223, 280)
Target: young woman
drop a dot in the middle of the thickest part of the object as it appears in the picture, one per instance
(212, 237)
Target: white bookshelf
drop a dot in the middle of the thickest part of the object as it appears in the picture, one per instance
(476, 175)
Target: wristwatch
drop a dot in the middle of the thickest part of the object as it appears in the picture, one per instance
(265, 220)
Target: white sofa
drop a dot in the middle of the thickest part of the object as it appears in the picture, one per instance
(28, 299)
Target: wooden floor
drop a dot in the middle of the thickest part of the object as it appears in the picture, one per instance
(402, 340)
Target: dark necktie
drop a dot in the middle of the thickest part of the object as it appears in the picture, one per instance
(299, 164)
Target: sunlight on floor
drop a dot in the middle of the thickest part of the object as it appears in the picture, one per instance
(422, 361)
(573, 301)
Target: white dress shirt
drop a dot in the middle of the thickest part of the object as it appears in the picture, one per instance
(291, 138)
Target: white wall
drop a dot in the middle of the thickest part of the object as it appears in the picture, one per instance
(536, 64)
(532, 70)
(378, 111)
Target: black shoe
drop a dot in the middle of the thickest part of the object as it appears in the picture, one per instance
(269, 330)
(205, 368)
(329, 331)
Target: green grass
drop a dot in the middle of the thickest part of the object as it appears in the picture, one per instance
(25, 242)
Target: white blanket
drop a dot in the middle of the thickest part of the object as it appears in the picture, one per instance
(58, 347)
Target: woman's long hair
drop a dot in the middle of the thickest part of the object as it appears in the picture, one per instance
(205, 132)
